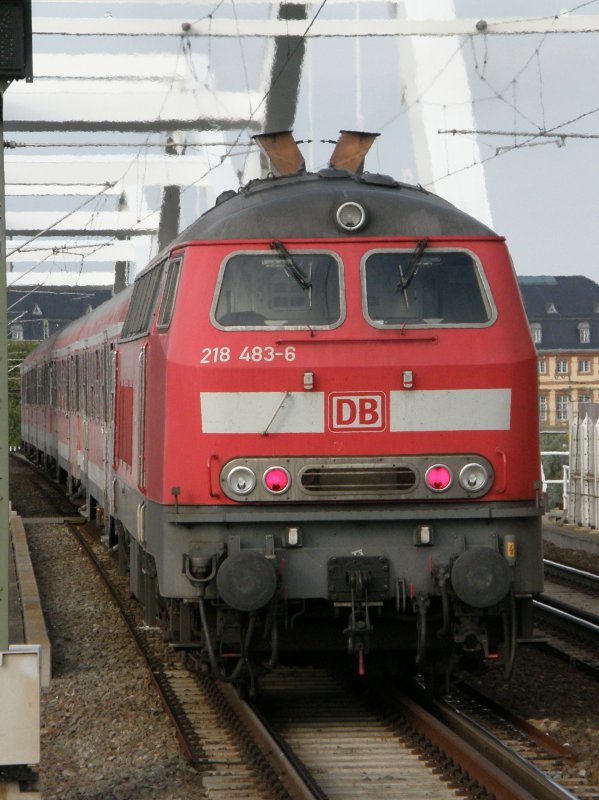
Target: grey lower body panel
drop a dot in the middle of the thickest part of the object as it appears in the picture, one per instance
(330, 531)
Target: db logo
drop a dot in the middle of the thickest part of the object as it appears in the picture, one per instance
(350, 412)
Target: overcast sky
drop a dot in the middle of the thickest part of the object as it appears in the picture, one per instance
(543, 197)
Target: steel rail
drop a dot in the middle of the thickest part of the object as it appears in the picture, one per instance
(568, 637)
(536, 735)
(485, 759)
(502, 772)
(576, 617)
(588, 580)
(294, 778)
(584, 582)
(472, 750)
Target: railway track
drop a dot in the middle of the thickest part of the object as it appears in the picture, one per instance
(567, 615)
(478, 747)
(312, 737)
(213, 738)
(219, 731)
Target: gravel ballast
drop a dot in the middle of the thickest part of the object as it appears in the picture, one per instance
(104, 733)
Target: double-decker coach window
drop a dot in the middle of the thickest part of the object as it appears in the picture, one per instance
(441, 287)
(141, 309)
(263, 289)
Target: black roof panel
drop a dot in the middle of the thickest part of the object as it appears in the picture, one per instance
(303, 206)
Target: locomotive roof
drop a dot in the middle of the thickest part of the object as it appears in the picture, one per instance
(303, 205)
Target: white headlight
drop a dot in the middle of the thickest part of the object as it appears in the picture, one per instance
(351, 216)
(473, 477)
(241, 480)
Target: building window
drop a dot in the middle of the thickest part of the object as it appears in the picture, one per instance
(543, 407)
(584, 366)
(536, 332)
(542, 366)
(562, 407)
(16, 332)
(561, 366)
(584, 398)
(584, 333)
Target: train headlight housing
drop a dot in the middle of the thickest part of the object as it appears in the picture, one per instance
(438, 478)
(277, 480)
(351, 216)
(473, 477)
(241, 480)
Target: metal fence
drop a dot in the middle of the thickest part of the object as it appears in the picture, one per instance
(561, 496)
(583, 484)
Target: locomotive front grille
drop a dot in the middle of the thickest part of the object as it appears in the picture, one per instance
(358, 480)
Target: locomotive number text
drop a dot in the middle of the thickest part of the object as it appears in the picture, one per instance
(250, 353)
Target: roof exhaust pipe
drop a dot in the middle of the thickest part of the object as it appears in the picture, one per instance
(282, 152)
(351, 149)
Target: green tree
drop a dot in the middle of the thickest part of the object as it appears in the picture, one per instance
(17, 351)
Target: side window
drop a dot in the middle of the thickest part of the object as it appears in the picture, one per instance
(167, 304)
(141, 310)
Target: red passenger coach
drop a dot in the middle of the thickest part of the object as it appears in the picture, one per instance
(310, 427)
(68, 394)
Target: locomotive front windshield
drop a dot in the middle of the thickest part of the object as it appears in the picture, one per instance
(280, 290)
(424, 289)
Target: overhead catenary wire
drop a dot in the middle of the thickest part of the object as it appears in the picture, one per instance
(529, 137)
(264, 98)
(236, 146)
(552, 133)
(90, 199)
(58, 221)
(80, 145)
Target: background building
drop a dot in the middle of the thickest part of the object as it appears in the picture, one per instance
(36, 314)
(563, 312)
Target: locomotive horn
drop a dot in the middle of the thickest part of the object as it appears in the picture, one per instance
(281, 151)
(350, 150)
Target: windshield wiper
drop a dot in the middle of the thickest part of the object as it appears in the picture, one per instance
(413, 264)
(291, 268)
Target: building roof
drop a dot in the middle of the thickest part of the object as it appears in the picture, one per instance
(44, 310)
(562, 305)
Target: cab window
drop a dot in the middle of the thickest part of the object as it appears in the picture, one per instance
(430, 289)
(279, 290)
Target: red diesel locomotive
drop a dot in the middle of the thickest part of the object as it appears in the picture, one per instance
(310, 425)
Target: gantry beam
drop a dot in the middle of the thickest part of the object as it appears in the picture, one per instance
(213, 27)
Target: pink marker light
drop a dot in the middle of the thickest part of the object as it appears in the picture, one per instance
(438, 478)
(277, 480)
